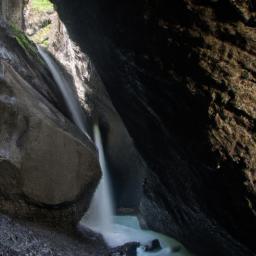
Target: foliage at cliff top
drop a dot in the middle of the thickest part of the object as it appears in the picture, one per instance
(42, 5)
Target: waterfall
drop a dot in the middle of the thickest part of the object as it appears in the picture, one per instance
(116, 230)
(66, 91)
(100, 214)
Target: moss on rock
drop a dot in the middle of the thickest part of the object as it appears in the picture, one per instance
(23, 40)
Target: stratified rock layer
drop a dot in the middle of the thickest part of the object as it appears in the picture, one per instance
(181, 75)
(48, 168)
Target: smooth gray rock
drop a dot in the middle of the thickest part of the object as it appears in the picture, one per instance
(48, 168)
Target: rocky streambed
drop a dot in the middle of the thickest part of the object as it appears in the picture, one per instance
(21, 238)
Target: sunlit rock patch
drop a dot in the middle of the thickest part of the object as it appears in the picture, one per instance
(39, 16)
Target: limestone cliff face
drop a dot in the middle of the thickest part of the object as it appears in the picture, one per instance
(181, 74)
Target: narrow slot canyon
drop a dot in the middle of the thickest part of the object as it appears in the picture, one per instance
(127, 128)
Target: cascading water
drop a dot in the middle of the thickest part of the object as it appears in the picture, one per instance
(116, 230)
(66, 91)
(100, 214)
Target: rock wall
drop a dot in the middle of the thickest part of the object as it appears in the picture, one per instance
(38, 22)
(181, 75)
(122, 156)
(48, 168)
(12, 12)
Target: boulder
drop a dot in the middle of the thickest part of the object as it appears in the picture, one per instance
(48, 168)
(128, 249)
(153, 245)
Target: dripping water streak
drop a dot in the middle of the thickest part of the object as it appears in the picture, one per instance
(66, 91)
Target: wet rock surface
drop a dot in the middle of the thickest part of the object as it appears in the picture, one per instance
(128, 249)
(181, 76)
(153, 245)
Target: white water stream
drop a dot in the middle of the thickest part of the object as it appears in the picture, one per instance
(101, 212)
(66, 91)
(116, 230)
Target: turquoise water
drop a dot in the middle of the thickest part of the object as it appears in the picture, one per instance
(127, 229)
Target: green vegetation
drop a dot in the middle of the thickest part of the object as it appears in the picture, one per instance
(42, 5)
(23, 41)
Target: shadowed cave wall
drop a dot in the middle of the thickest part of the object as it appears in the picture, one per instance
(181, 75)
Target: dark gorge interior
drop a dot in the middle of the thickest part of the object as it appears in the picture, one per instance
(172, 86)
